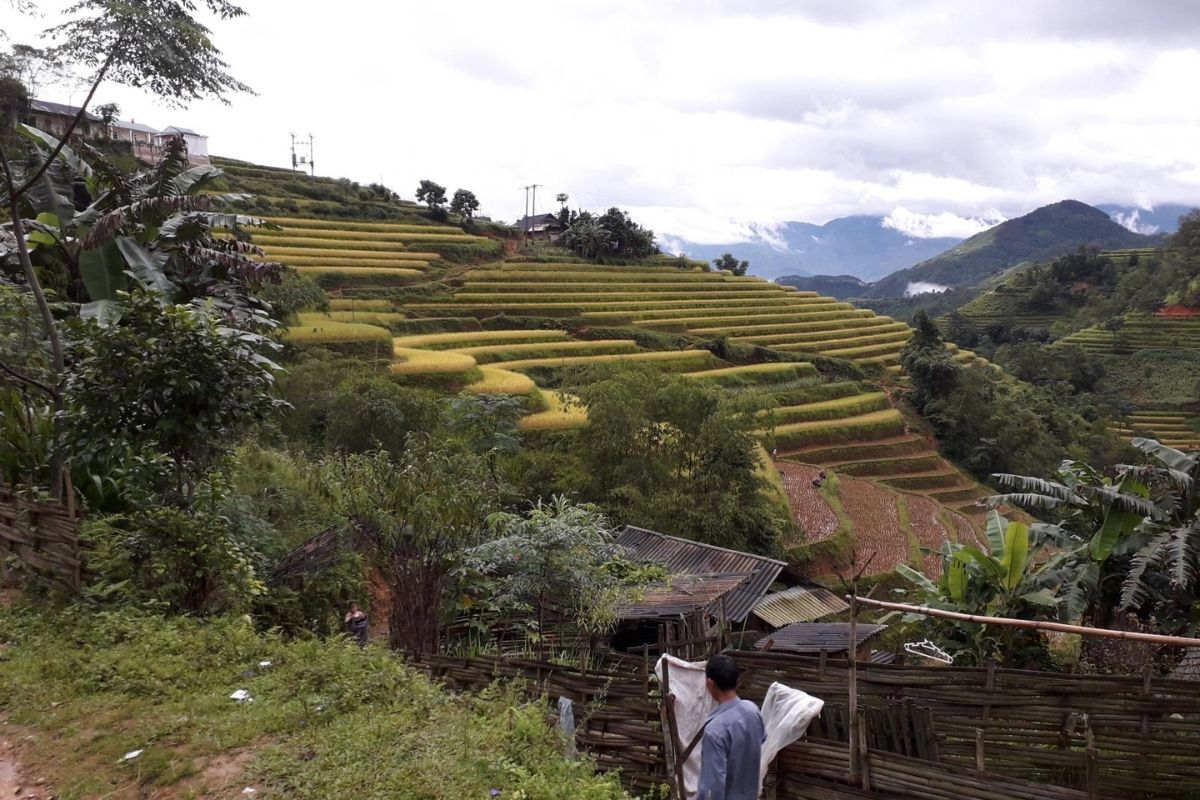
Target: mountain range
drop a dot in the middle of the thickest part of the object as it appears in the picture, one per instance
(863, 249)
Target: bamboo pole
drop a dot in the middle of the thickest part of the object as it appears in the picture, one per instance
(1083, 630)
(853, 722)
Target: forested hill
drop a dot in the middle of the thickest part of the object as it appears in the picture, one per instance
(1040, 235)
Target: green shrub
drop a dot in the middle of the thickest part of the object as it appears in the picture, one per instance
(170, 559)
(293, 294)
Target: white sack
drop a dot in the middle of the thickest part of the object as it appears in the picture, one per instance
(693, 704)
(787, 713)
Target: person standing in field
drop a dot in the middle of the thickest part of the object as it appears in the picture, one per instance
(733, 738)
(356, 621)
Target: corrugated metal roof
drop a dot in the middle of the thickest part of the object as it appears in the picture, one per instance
(798, 604)
(681, 595)
(46, 107)
(685, 557)
(813, 637)
(1189, 666)
(128, 125)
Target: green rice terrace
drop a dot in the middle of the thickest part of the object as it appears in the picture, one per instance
(517, 327)
(1142, 341)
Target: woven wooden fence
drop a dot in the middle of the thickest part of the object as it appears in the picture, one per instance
(44, 537)
(1144, 731)
(1029, 731)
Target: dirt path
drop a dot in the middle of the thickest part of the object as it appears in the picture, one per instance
(14, 784)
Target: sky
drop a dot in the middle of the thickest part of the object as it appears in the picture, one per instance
(707, 119)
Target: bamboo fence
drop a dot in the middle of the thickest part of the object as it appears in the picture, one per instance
(44, 536)
(936, 732)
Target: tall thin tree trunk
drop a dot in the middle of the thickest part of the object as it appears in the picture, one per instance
(57, 462)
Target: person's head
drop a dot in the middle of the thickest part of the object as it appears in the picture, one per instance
(720, 677)
(354, 607)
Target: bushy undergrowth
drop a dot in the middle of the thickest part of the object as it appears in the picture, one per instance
(327, 719)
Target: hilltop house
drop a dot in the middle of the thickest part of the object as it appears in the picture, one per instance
(145, 141)
(55, 118)
(141, 138)
(197, 143)
(541, 226)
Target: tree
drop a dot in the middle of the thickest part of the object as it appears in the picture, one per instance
(464, 203)
(675, 455)
(108, 114)
(151, 44)
(588, 238)
(32, 66)
(933, 371)
(555, 556)
(417, 517)
(431, 194)
(167, 380)
(561, 198)
(728, 262)
(488, 423)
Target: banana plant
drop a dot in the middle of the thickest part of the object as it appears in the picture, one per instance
(159, 229)
(1002, 580)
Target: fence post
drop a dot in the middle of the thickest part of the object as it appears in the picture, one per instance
(852, 721)
(980, 757)
(1091, 763)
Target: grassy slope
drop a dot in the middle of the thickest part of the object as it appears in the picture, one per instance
(327, 720)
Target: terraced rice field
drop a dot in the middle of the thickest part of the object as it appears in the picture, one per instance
(878, 526)
(850, 427)
(664, 298)
(1140, 332)
(357, 255)
(1173, 428)
(1004, 306)
(859, 434)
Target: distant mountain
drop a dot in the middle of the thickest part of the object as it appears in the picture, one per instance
(860, 246)
(1160, 219)
(839, 287)
(1040, 235)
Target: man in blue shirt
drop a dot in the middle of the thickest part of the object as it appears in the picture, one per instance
(733, 738)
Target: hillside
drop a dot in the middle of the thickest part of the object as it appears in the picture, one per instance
(862, 246)
(521, 327)
(1038, 236)
(840, 287)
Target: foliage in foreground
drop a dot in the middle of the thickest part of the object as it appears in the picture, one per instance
(327, 719)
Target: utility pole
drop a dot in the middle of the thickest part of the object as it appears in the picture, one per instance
(312, 167)
(293, 150)
(525, 219)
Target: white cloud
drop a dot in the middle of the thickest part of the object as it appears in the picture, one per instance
(924, 287)
(1132, 221)
(719, 121)
(930, 226)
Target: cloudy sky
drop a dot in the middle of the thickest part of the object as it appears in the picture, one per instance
(703, 117)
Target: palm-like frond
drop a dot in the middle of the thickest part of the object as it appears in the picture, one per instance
(1026, 500)
(1169, 456)
(150, 210)
(1124, 501)
(1134, 589)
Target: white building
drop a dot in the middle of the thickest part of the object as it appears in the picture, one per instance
(197, 143)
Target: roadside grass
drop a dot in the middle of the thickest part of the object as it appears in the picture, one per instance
(327, 719)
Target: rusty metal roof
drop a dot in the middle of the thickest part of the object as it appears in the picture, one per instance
(1189, 666)
(813, 637)
(798, 604)
(685, 557)
(681, 595)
